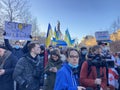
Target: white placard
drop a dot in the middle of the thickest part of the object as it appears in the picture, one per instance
(102, 35)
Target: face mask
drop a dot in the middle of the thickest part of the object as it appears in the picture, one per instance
(84, 52)
(17, 46)
(73, 66)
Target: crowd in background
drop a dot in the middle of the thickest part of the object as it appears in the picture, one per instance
(35, 67)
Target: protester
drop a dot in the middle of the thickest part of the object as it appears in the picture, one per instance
(89, 73)
(44, 59)
(104, 47)
(44, 54)
(63, 54)
(54, 64)
(17, 50)
(117, 66)
(50, 48)
(83, 53)
(7, 65)
(67, 77)
(29, 69)
(117, 60)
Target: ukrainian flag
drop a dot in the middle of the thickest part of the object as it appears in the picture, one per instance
(68, 38)
(49, 35)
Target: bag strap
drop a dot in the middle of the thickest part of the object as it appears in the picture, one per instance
(89, 67)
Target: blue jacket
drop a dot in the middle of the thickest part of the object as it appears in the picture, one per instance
(65, 80)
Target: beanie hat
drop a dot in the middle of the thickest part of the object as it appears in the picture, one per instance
(82, 48)
(42, 47)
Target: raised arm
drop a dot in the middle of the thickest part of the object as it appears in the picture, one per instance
(7, 44)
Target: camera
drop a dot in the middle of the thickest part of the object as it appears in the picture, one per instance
(101, 60)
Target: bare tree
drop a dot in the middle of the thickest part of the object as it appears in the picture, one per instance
(116, 25)
(18, 11)
(35, 27)
(14, 10)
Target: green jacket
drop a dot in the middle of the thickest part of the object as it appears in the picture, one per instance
(51, 76)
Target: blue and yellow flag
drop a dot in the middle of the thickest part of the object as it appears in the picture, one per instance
(68, 38)
(49, 35)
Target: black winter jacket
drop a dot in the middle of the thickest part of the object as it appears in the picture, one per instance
(6, 80)
(28, 73)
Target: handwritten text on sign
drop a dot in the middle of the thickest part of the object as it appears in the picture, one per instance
(17, 31)
(102, 35)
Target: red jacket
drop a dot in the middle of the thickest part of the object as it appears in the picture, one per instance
(88, 80)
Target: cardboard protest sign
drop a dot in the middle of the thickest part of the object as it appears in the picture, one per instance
(17, 31)
(102, 35)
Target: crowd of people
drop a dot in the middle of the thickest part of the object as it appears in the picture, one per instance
(35, 67)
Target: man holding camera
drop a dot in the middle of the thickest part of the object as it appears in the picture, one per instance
(94, 76)
(28, 70)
